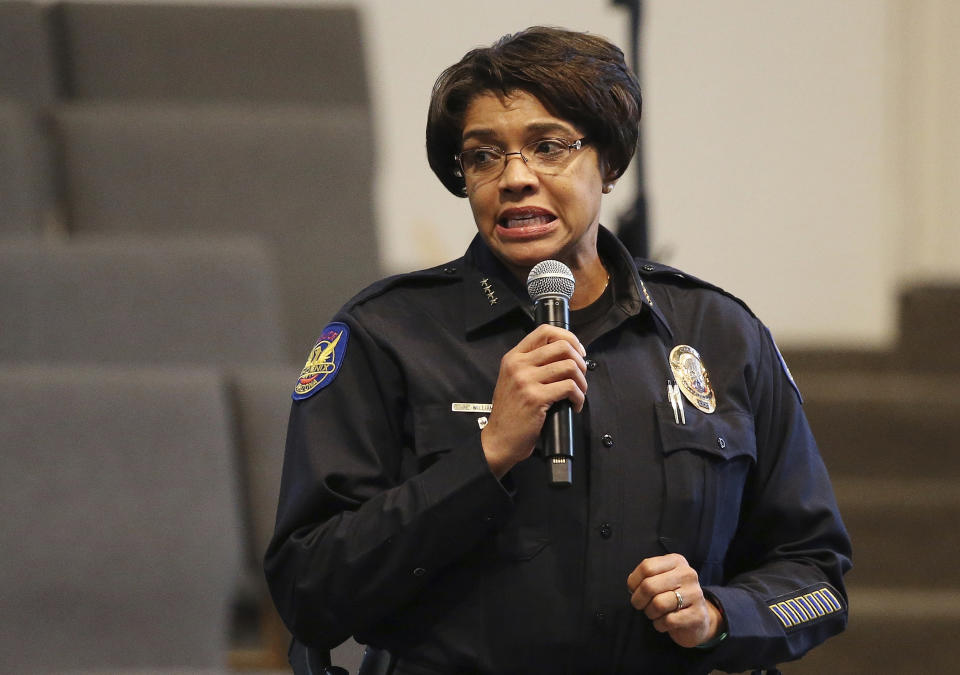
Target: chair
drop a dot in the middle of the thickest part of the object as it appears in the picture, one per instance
(299, 178)
(261, 399)
(120, 533)
(119, 51)
(141, 301)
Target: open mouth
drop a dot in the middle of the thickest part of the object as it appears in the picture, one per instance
(522, 218)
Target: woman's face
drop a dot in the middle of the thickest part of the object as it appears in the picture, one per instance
(524, 216)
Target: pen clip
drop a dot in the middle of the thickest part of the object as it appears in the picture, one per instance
(676, 402)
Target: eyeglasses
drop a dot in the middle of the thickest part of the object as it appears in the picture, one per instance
(545, 156)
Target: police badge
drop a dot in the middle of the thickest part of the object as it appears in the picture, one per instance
(692, 378)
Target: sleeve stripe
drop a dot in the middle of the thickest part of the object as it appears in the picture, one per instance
(795, 606)
(831, 598)
(818, 608)
(793, 612)
(789, 610)
(780, 615)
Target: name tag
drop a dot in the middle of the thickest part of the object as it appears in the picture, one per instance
(471, 407)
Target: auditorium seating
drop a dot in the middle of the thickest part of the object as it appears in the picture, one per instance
(139, 301)
(120, 518)
(261, 399)
(234, 53)
(187, 185)
(185, 118)
(297, 177)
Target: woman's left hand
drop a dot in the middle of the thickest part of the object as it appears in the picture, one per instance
(667, 590)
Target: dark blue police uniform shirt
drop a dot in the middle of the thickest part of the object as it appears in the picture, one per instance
(392, 528)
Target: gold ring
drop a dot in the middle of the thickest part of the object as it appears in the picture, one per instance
(679, 600)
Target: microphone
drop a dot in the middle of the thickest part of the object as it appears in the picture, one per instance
(550, 285)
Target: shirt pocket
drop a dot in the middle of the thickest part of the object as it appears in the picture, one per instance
(705, 465)
(437, 430)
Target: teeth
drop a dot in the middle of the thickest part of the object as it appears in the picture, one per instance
(527, 221)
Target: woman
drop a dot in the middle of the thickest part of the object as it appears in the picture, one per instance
(700, 530)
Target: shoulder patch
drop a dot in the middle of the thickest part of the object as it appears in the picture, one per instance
(324, 361)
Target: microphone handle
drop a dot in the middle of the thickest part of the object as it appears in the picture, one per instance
(556, 437)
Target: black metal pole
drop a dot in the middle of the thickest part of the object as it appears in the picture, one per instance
(632, 227)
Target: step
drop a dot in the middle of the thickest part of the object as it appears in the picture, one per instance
(892, 521)
(880, 424)
(929, 332)
(907, 630)
(837, 360)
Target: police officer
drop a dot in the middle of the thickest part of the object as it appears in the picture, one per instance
(700, 530)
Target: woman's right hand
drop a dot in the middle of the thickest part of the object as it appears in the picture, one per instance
(546, 366)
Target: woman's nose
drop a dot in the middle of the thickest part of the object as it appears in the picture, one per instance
(517, 175)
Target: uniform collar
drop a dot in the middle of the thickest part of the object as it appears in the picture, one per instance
(632, 294)
(491, 293)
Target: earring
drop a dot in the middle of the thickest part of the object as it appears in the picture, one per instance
(463, 191)
(607, 188)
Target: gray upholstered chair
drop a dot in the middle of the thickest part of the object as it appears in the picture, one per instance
(138, 301)
(188, 52)
(120, 531)
(261, 397)
(226, 118)
(298, 177)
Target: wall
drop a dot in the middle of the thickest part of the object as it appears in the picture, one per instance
(770, 147)
(770, 159)
(805, 156)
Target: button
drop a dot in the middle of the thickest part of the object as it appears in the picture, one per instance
(607, 440)
(591, 364)
(648, 268)
(721, 443)
(449, 270)
(600, 616)
(419, 572)
(489, 518)
(606, 531)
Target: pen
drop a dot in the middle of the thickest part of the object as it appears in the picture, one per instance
(676, 402)
(679, 397)
(673, 402)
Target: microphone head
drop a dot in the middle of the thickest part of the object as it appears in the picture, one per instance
(550, 279)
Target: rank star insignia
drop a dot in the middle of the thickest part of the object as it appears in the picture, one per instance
(692, 377)
(488, 291)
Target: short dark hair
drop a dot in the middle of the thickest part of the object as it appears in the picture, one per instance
(578, 77)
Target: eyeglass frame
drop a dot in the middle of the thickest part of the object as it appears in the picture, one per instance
(576, 145)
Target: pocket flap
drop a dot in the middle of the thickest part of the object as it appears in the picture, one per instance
(438, 429)
(725, 435)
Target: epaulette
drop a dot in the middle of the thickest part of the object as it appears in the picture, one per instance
(665, 274)
(444, 273)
